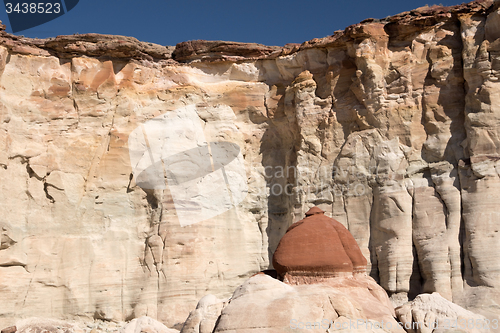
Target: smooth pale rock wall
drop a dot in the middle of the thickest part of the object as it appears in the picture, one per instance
(390, 127)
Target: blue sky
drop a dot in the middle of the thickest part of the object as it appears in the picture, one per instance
(165, 22)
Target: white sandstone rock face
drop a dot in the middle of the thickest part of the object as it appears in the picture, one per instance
(390, 127)
(84, 227)
(205, 176)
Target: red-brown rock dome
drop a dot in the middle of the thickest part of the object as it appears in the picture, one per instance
(317, 246)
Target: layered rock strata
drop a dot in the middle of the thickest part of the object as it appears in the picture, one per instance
(390, 127)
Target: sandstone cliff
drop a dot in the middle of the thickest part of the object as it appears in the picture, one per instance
(390, 126)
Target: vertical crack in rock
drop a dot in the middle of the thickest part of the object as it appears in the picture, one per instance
(45, 189)
(77, 110)
(129, 189)
(372, 246)
(267, 108)
(447, 183)
(30, 283)
(31, 173)
(416, 278)
(279, 147)
(111, 126)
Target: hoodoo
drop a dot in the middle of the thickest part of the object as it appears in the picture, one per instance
(317, 247)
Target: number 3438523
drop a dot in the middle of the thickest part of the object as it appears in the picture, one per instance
(33, 8)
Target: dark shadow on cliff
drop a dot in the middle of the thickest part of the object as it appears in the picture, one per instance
(450, 97)
(443, 106)
(278, 149)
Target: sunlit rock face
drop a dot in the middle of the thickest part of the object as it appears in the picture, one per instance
(268, 305)
(390, 127)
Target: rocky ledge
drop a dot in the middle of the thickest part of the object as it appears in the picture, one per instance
(399, 26)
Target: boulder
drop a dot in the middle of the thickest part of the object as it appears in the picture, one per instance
(204, 318)
(432, 313)
(263, 304)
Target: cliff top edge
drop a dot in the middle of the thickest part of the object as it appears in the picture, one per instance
(96, 45)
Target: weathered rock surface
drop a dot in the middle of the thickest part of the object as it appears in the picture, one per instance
(146, 324)
(433, 313)
(33, 325)
(204, 318)
(390, 126)
(264, 304)
(10, 329)
(220, 50)
(317, 247)
(137, 325)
